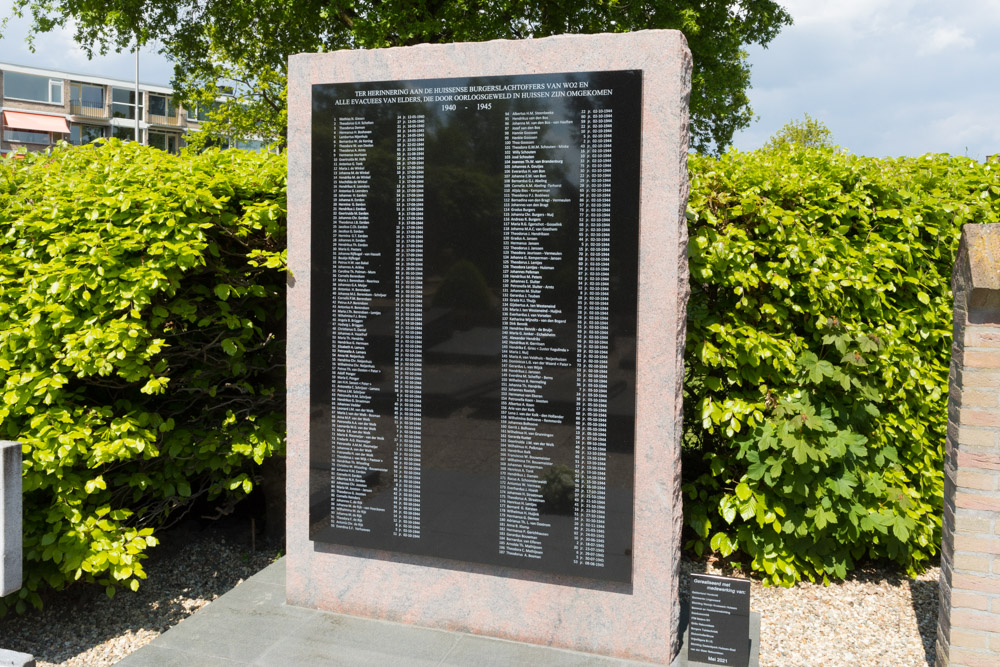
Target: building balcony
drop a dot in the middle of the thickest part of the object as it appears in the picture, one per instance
(155, 119)
(88, 110)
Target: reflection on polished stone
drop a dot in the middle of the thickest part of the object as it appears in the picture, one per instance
(475, 266)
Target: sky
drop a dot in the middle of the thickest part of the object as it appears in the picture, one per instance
(888, 77)
(57, 50)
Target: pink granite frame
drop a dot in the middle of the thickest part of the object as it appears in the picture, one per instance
(637, 620)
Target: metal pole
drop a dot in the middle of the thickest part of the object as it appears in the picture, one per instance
(137, 98)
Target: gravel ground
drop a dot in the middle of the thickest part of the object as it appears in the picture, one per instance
(876, 617)
(82, 627)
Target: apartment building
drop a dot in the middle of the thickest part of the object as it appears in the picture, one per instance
(41, 107)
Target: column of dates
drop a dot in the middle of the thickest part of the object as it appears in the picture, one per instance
(503, 514)
(590, 499)
(409, 323)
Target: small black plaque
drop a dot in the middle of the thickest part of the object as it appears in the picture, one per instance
(719, 629)
(474, 304)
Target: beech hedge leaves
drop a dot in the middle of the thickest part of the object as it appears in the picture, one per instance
(818, 348)
(141, 345)
(142, 350)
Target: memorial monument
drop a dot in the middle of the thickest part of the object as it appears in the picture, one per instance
(487, 251)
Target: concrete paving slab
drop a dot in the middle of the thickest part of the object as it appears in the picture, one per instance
(251, 626)
(155, 656)
(393, 641)
(318, 652)
(232, 633)
(489, 652)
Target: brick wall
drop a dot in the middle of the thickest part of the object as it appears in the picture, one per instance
(969, 620)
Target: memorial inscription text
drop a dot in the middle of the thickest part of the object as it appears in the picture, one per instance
(474, 285)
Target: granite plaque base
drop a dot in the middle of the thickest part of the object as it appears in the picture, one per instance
(10, 517)
(16, 659)
(636, 616)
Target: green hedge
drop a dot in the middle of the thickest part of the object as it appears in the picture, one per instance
(141, 345)
(141, 350)
(819, 339)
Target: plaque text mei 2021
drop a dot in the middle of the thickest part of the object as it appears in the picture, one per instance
(474, 287)
(719, 629)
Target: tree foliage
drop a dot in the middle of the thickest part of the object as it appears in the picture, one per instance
(819, 339)
(806, 133)
(141, 345)
(249, 42)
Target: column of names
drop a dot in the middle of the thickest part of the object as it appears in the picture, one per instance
(526, 327)
(353, 419)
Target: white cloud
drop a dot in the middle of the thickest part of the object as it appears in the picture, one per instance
(889, 77)
(841, 13)
(972, 131)
(943, 38)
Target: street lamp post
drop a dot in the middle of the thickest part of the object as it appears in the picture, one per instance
(136, 108)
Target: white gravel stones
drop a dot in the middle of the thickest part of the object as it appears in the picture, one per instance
(82, 627)
(876, 617)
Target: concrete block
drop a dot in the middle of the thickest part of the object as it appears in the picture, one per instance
(980, 378)
(970, 639)
(970, 417)
(981, 336)
(976, 437)
(977, 479)
(978, 398)
(969, 600)
(984, 461)
(15, 659)
(971, 582)
(963, 658)
(973, 521)
(989, 502)
(972, 562)
(982, 358)
(10, 517)
(974, 620)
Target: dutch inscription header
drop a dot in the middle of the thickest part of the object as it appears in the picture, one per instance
(475, 262)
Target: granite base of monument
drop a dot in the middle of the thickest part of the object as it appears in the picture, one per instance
(482, 436)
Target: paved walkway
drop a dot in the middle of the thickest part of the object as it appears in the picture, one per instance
(251, 625)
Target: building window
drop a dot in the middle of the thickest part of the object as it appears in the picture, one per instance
(163, 140)
(250, 145)
(27, 137)
(84, 134)
(162, 110)
(123, 133)
(160, 105)
(86, 100)
(199, 112)
(34, 88)
(123, 103)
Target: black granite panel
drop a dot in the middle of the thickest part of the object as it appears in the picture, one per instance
(474, 286)
(719, 628)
